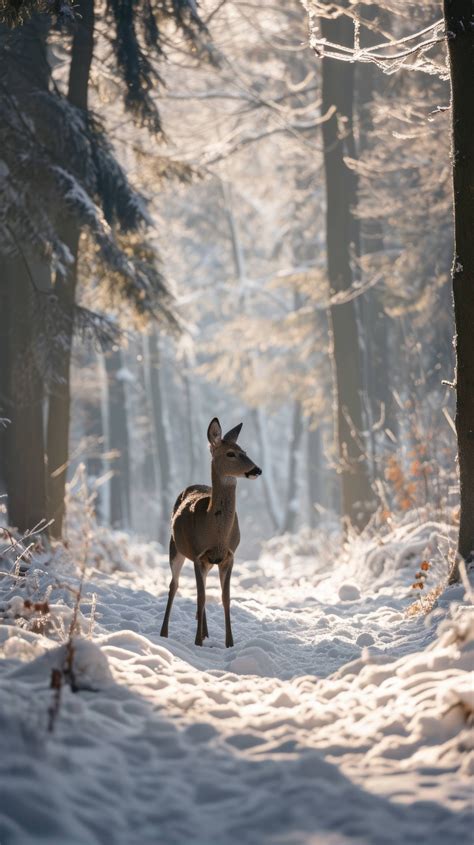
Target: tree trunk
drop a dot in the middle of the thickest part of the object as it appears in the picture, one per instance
(118, 441)
(161, 437)
(21, 383)
(292, 496)
(59, 406)
(341, 236)
(270, 493)
(376, 324)
(315, 468)
(150, 470)
(4, 380)
(65, 289)
(94, 431)
(460, 38)
(24, 436)
(190, 420)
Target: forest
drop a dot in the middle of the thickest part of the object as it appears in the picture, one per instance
(258, 216)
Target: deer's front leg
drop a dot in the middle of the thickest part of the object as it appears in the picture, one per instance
(225, 571)
(200, 570)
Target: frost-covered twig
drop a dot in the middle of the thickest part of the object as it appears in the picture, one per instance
(19, 545)
(385, 54)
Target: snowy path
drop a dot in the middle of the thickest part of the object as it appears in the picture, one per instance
(335, 719)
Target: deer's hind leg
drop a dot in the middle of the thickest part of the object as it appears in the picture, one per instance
(225, 571)
(176, 563)
(205, 632)
(201, 569)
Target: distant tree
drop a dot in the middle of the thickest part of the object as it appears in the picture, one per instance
(57, 444)
(342, 241)
(118, 441)
(377, 327)
(162, 445)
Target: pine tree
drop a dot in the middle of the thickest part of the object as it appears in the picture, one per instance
(62, 179)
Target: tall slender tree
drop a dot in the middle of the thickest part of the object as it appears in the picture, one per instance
(118, 441)
(25, 281)
(162, 446)
(460, 38)
(341, 242)
(376, 325)
(66, 284)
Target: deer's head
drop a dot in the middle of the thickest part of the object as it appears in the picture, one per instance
(229, 460)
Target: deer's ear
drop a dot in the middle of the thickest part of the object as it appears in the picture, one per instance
(214, 432)
(233, 434)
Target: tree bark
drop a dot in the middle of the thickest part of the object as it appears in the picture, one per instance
(93, 430)
(315, 471)
(190, 420)
(292, 496)
(376, 324)
(21, 382)
(65, 289)
(150, 470)
(118, 441)
(161, 438)
(23, 436)
(4, 380)
(341, 238)
(460, 38)
(270, 493)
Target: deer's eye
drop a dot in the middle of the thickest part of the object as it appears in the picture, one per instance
(230, 454)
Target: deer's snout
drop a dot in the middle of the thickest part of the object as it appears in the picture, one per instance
(253, 473)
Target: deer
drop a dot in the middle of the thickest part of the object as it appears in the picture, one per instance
(205, 527)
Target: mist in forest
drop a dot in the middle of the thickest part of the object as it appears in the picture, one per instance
(236, 230)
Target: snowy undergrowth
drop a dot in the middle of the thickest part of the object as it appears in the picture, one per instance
(337, 717)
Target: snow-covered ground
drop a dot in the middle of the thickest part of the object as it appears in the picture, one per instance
(337, 718)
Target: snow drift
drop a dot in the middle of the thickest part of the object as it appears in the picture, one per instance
(337, 718)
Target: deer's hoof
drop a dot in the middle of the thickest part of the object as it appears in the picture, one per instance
(197, 641)
(164, 632)
(229, 643)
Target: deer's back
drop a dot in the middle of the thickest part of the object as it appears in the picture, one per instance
(190, 497)
(192, 525)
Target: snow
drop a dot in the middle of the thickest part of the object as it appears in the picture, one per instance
(337, 718)
(349, 592)
(89, 664)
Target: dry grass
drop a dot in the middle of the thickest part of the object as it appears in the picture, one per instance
(65, 675)
(425, 604)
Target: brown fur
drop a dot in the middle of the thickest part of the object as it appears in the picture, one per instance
(205, 527)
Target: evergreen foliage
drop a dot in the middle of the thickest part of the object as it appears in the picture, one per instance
(138, 35)
(56, 163)
(16, 12)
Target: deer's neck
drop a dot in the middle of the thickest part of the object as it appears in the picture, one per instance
(222, 505)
